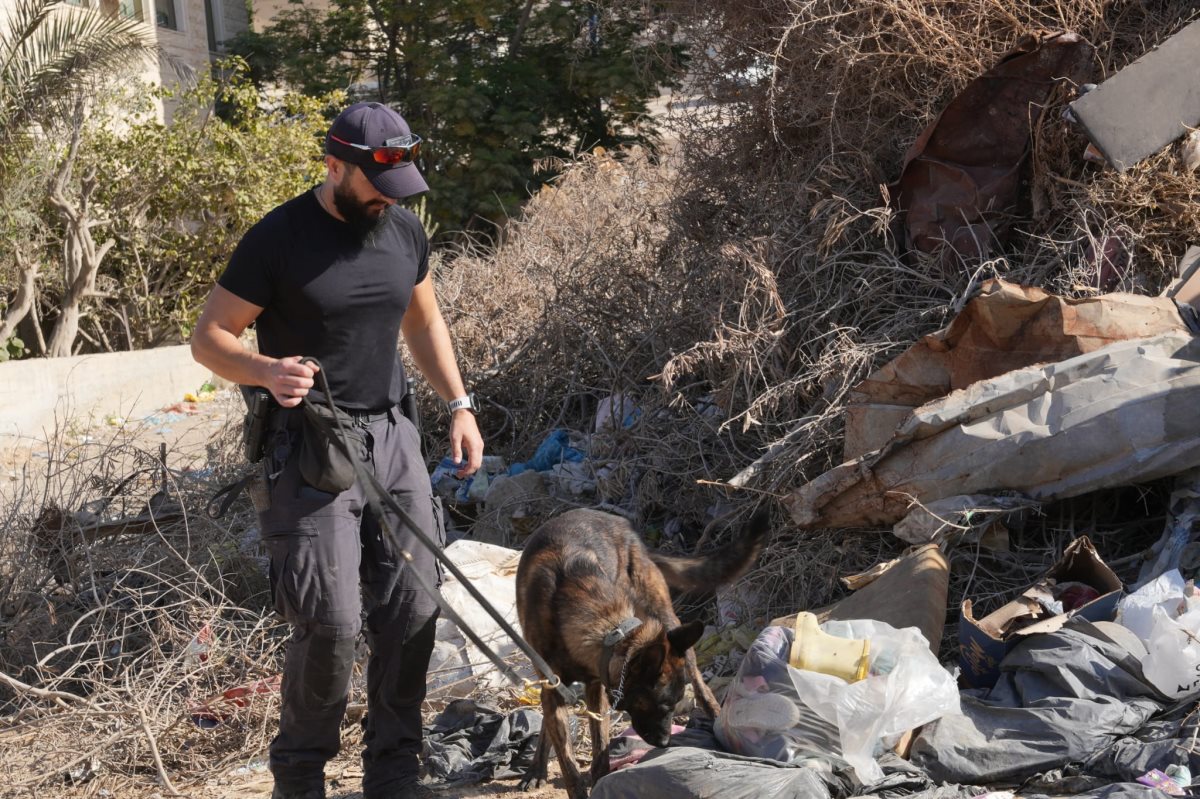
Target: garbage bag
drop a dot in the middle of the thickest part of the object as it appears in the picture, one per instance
(1165, 614)
(774, 710)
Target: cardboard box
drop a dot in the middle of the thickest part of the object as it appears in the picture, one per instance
(983, 643)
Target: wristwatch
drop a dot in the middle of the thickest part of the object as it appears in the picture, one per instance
(467, 402)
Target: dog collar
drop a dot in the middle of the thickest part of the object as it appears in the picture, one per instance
(618, 634)
(615, 636)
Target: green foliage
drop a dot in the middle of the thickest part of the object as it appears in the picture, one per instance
(13, 349)
(180, 196)
(496, 87)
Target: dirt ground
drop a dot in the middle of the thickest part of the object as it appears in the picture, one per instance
(343, 776)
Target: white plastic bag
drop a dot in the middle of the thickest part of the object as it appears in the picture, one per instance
(1136, 611)
(457, 666)
(1166, 616)
(905, 688)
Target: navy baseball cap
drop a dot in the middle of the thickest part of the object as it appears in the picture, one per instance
(378, 141)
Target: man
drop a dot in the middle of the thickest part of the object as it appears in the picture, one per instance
(337, 273)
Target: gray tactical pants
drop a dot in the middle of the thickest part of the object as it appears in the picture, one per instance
(331, 570)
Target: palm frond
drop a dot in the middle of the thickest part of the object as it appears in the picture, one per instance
(51, 50)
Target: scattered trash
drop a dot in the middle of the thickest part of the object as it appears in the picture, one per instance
(1111, 417)
(83, 771)
(1185, 290)
(961, 177)
(1183, 522)
(1003, 328)
(555, 448)
(910, 593)
(219, 708)
(627, 748)
(468, 743)
(511, 507)
(1165, 615)
(196, 653)
(1157, 779)
(775, 710)
(457, 668)
(814, 650)
(1189, 151)
(615, 410)
(1146, 105)
(1079, 584)
(958, 517)
(1070, 697)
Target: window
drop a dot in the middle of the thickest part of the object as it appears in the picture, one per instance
(130, 9)
(212, 21)
(165, 15)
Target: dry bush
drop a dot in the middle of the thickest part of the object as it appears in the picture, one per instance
(101, 679)
(753, 268)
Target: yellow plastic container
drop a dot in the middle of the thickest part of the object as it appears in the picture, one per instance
(815, 650)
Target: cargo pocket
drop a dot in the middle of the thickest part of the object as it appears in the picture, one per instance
(295, 508)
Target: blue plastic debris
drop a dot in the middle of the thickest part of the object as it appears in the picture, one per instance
(556, 448)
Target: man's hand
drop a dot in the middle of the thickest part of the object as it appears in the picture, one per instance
(465, 437)
(288, 380)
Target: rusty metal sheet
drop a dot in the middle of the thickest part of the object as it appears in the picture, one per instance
(1005, 327)
(961, 177)
(1121, 415)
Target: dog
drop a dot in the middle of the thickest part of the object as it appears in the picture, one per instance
(595, 603)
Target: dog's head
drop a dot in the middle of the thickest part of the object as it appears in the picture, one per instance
(655, 678)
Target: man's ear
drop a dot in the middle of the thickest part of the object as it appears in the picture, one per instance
(685, 636)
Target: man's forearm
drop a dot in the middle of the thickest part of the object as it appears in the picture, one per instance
(222, 352)
(433, 353)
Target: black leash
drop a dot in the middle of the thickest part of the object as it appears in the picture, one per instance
(379, 498)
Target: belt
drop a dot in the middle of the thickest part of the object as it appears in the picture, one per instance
(367, 417)
(290, 418)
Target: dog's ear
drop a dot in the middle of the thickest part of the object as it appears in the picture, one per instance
(685, 636)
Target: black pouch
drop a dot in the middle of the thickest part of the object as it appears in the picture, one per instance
(259, 407)
(322, 463)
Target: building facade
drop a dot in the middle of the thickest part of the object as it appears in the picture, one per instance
(190, 32)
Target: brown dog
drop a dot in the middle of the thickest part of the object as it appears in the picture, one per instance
(595, 603)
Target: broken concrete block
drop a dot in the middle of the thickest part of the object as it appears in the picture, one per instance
(1147, 105)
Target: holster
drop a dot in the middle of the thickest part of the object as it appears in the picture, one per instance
(259, 407)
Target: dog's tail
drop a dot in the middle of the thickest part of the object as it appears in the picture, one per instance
(719, 567)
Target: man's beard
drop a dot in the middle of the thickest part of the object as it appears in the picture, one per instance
(363, 218)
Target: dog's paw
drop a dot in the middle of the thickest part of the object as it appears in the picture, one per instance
(533, 782)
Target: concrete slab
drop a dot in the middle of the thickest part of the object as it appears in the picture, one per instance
(1147, 105)
(35, 393)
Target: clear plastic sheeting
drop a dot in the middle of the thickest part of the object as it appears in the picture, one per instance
(774, 710)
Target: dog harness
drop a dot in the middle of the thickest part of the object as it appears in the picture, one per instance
(615, 636)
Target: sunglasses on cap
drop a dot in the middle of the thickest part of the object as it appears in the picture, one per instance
(401, 150)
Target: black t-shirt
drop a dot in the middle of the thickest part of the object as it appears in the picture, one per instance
(328, 293)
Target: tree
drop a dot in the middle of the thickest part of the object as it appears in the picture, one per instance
(49, 56)
(496, 87)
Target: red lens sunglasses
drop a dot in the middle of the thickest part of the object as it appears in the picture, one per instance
(404, 154)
